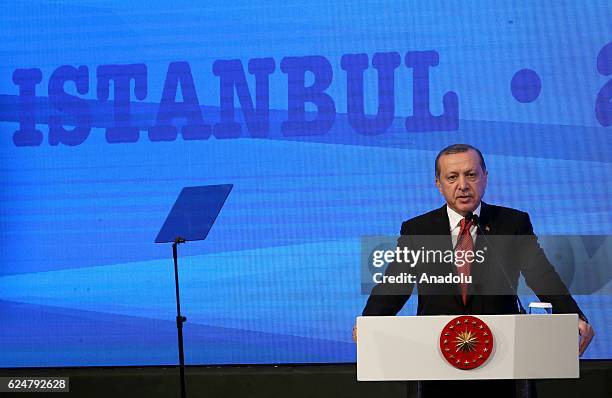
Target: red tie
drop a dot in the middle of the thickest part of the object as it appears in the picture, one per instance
(464, 243)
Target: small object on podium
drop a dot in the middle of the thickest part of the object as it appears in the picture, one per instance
(541, 305)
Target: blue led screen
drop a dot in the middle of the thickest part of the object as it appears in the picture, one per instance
(325, 116)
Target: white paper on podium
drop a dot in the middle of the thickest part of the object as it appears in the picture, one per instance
(525, 347)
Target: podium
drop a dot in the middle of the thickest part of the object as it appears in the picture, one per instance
(523, 347)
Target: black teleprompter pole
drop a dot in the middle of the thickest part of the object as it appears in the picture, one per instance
(179, 318)
(190, 219)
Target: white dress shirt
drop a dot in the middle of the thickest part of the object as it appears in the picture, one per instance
(454, 220)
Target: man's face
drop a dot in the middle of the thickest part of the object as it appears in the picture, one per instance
(462, 181)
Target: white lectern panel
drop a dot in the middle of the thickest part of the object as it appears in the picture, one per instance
(525, 347)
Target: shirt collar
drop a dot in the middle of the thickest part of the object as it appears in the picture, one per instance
(455, 218)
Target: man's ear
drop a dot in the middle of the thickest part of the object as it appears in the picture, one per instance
(438, 184)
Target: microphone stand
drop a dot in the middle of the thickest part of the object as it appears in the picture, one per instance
(525, 386)
(513, 288)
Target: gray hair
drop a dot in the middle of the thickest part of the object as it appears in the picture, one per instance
(459, 148)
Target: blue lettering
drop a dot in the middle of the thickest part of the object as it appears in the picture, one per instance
(298, 95)
(422, 119)
(70, 104)
(27, 79)
(603, 103)
(189, 108)
(122, 75)
(231, 75)
(355, 65)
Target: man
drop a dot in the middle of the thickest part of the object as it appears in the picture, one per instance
(461, 177)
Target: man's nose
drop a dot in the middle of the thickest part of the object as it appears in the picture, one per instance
(462, 183)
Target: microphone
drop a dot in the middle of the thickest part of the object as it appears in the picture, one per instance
(474, 217)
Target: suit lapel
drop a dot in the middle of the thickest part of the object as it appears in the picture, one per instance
(440, 224)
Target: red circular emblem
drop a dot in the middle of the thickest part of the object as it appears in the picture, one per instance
(466, 342)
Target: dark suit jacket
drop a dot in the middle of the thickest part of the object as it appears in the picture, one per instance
(510, 244)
